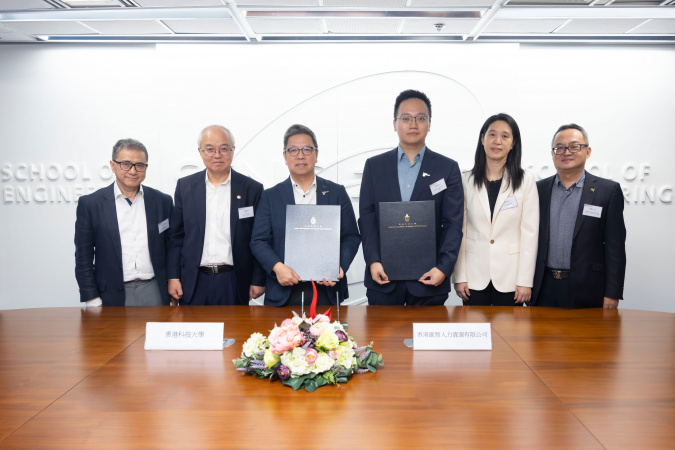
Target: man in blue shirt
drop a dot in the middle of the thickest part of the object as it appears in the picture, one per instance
(411, 172)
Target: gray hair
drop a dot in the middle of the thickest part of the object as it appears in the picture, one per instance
(296, 129)
(572, 126)
(219, 127)
(128, 144)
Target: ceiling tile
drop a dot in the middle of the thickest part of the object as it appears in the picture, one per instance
(14, 5)
(124, 27)
(523, 26)
(427, 26)
(285, 26)
(655, 26)
(55, 28)
(274, 3)
(203, 26)
(599, 26)
(177, 3)
(363, 26)
(452, 3)
(366, 3)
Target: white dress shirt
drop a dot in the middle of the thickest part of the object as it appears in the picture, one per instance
(217, 237)
(304, 197)
(131, 220)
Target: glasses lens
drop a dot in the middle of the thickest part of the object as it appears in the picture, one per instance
(141, 167)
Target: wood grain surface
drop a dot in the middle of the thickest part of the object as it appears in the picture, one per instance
(80, 379)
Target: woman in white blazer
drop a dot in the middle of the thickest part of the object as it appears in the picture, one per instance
(496, 260)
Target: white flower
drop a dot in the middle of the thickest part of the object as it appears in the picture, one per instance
(254, 344)
(323, 363)
(295, 361)
(345, 356)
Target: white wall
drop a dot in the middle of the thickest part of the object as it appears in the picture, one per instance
(63, 107)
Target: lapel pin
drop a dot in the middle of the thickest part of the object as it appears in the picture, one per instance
(592, 189)
(238, 197)
(424, 174)
(324, 192)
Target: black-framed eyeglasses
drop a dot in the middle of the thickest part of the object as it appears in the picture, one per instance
(210, 151)
(409, 119)
(573, 148)
(126, 166)
(293, 151)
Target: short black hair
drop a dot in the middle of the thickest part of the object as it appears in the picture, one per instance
(299, 129)
(128, 144)
(408, 94)
(571, 126)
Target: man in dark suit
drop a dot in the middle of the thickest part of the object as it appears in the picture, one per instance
(210, 262)
(120, 236)
(581, 259)
(284, 286)
(411, 172)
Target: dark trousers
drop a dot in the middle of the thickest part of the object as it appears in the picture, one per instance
(554, 292)
(490, 296)
(295, 298)
(401, 296)
(215, 289)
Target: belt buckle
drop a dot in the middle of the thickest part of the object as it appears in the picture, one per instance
(556, 274)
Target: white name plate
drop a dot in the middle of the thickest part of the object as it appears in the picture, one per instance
(452, 336)
(184, 335)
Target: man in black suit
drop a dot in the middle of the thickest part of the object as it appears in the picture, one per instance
(210, 262)
(120, 236)
(284, 286)
(581, 260)
(411, 172)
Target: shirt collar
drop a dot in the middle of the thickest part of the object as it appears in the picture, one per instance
(297, 186)
(418, 157)
(579, 183)
(224, 183)
(118, 192)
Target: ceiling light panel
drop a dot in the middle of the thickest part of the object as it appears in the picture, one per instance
(204, 26)
(599, 26)
(523, 26)
(14, 5)
(366, 3)
(275, 3)
(93, 3)
(127, 27)
(655, 26)
(363, 26)
(285, 26)
(177, 3)
(451, 3)
(428, 26)
(54, 28)
(549, 3)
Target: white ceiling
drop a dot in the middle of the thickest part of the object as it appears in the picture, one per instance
(645, 21)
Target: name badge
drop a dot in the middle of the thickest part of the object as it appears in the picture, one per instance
(246, 212)
(184, 336)
(509, 203)
(163, 226)
(592, 210)
(438, 186)
(452, 336)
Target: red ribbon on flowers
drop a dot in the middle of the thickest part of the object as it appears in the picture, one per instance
(312, 308)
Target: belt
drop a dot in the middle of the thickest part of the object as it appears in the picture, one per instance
(559, 274)
(216, 269)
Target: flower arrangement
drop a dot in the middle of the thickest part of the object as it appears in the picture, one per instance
(307, 353)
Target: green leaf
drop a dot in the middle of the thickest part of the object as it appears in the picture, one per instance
(295, 383)
(311, 386)
(342, 379)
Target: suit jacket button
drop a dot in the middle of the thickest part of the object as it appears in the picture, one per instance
(492, 241)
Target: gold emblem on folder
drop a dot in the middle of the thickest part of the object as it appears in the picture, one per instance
(407, 218)
(313, 220)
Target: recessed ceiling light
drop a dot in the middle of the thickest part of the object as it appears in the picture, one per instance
(92, 3)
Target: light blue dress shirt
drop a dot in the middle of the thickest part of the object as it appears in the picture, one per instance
(407, 173)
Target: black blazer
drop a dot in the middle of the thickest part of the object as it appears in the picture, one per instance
(98, 248)
(598, 260)
(188, 225)
(268, 242)
(380, 184)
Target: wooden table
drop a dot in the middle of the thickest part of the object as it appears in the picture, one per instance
(74, 378)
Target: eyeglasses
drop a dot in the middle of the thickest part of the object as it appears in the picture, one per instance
(409, 119)
(210, 151)
(126, 166)
(574, 148)
(293, 151)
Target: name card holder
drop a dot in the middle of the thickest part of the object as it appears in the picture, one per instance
(451, 336)
(184, 335)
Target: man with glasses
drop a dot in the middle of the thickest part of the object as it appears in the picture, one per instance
(120, 236)
(411, 172)
(302, 187)
(210, 262)
(581, 261)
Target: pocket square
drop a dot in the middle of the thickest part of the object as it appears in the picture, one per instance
(424, 174)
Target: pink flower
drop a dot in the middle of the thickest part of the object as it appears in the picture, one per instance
(319, 328)
(310, 355)
(333, 354)
(321, 318)
(287, 323)
(285, 338)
